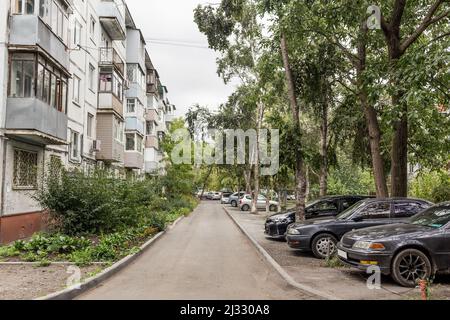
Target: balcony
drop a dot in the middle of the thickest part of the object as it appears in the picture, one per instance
(132, 124)
(152, 115)
(30, 30)
(108, 102)
(170, 118)
(35, 121)
(109, 57)
(112, 19)
(134, 160)
(112, 149)
(152, 142)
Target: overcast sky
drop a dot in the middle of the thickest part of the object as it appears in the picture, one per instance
(189, 73)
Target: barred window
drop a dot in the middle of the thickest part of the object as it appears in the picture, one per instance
(25, 169)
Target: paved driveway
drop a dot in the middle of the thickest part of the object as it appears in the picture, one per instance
(204, 257)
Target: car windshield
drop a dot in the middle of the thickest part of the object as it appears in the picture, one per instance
(435, 217)
(349, 212)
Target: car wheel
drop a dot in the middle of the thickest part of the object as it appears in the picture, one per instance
(234, 203)
(245, 207)
(324, 246)
(410, 266)
(273, 208)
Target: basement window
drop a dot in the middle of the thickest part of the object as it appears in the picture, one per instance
(25, 169)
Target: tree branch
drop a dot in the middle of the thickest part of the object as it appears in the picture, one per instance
(426, 22)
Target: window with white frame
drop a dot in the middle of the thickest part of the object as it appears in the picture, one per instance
(77, 29)
(76, 89)
(118, 130)
(75, 146)
(150, 128)
(131, 105)
(92, 77)
(25, 172)
(90, 125)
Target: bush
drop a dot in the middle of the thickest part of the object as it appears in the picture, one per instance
(96, 204)
(433, 186)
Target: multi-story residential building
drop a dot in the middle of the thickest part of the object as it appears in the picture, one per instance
(76, 89)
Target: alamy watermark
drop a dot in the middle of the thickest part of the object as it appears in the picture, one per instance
(229, 147)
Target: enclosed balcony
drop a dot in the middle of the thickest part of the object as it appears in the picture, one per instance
(112, 18)
(110, 133)
(37, 100)
(109, 57)
(43, 25)
(133, 124)
(134, 158)
(152, 115)
(152, 142)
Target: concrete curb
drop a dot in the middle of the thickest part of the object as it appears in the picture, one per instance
(283, 273)
(76, 290)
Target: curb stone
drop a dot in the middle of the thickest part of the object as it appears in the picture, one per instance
(283, 273)
(78, 289)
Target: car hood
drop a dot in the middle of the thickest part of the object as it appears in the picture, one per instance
(386, 231)
(282, 215)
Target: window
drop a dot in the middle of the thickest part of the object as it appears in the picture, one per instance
(111, 82)
(139, 144)
(407, 209)
(150, 126)
(377, 211)
(131, 105)
(90, 125)
(25, 169)
(92, 26)
(91, 77)
(118, 130)
(45, 82)
(76, 89)
(24, 6)
(325, 206)
(75, 146)
(130, 143)
(77, 33)
(22, 76)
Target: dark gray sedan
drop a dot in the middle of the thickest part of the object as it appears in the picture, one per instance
(322, 235)
(409, 251)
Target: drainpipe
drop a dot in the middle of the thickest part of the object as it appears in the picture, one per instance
(3, 177)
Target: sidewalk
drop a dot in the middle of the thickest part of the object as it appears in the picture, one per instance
(343, 283)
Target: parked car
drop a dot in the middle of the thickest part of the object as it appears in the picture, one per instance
(245, 204)
(215, 196)
(208, 195)
(409, 251)
(225, 198)
(235, 197)
(276, 225)
(290, 197)
(322, 235)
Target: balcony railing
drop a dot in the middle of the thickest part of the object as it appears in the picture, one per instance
(110, 57)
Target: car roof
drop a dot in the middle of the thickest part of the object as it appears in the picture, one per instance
(345, 197)
(396, 199)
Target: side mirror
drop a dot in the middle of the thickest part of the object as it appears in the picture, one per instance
(358, 218)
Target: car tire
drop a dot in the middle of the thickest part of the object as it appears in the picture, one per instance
(245, 207)
(273, 208)
(234, 203)
(409, 266)
(324, 245)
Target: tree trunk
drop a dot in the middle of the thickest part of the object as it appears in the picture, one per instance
(256, 168)
(299, 165)
(323, 181)
(248, 180)
(371, 119)
(399, 154)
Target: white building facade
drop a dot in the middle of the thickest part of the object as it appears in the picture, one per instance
(74, 91)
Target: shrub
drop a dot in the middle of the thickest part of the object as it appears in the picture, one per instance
(433, 186)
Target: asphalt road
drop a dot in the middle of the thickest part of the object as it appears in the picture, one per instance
(204, 257)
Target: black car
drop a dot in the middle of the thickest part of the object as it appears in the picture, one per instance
(322, 235)
(276, 225)
(408, 251)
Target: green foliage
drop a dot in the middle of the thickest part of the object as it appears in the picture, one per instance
(433, 186)
(95, 204)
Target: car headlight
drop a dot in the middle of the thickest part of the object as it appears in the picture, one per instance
(294, 232)
(366, 245)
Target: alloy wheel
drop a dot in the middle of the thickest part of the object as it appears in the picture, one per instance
(413, 268)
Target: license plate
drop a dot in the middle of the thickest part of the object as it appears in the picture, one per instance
(342, 254)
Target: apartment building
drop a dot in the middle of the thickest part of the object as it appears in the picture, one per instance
(74, 91)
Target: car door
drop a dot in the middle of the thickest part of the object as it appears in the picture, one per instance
(374, 214)
(325, 208)
(261, 203)
(405, 209)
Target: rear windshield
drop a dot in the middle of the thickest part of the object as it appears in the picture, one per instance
(435, 217)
